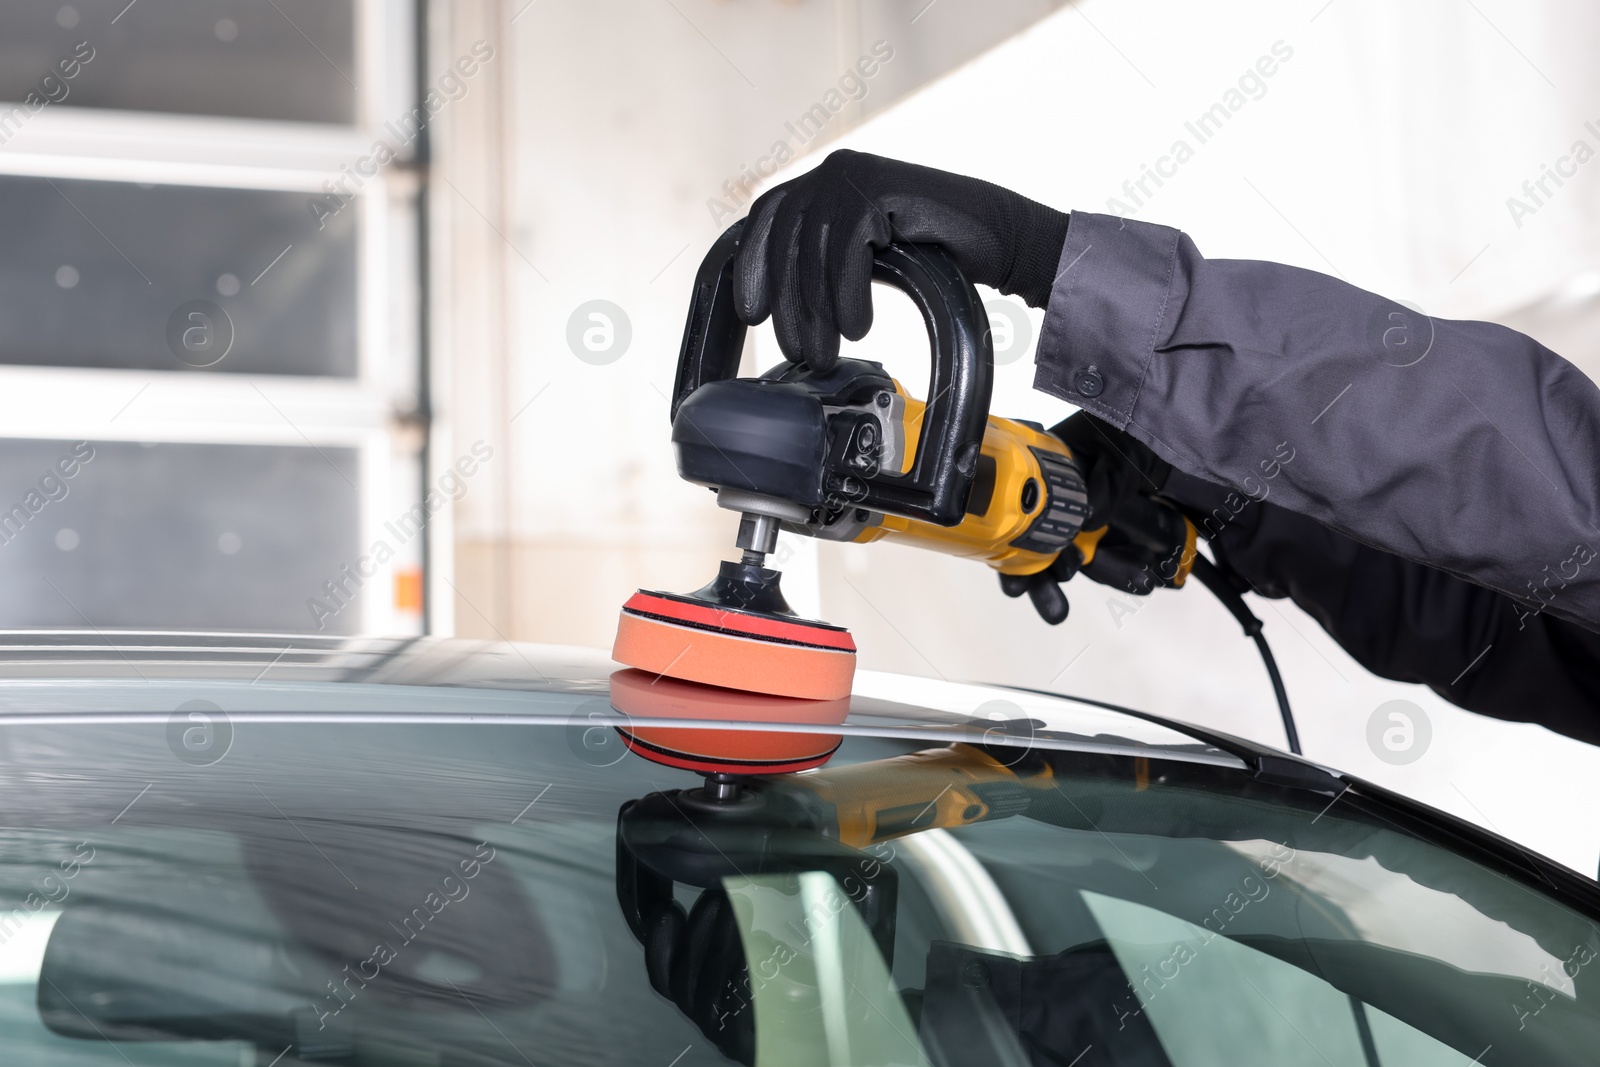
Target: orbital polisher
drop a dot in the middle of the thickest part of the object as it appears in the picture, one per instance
(843, 455)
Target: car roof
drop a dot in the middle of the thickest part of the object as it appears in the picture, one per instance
(124, 676)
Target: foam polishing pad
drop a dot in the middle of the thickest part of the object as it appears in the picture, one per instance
(643, 696)
(697, 641)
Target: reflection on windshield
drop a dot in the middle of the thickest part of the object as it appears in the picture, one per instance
(1391, 909)
(819, 987)
(1190, 981)
(405, 895)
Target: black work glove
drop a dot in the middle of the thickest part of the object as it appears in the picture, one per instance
(806, 253)
(696, 960)
(1142, 539)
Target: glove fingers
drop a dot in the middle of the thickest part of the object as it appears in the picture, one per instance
(819, 336)
(1132, 572)
(752, 276)
(697, 940)
(1015, 585)
(1067, 563)
(850, 261)
(784, 287)
(661, 933)
(1048, 600)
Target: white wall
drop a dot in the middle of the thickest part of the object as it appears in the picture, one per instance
(1384, 150)
(584, 170)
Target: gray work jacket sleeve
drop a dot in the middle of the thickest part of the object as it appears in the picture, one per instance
(1461, 445)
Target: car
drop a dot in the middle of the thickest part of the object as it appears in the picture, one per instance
(278, 850)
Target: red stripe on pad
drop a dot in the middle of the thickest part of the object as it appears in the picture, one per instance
(713, 765)
(740, 623)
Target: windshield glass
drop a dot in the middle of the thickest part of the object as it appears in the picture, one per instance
(490, 894)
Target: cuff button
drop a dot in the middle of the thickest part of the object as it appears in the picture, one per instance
(1088, 382)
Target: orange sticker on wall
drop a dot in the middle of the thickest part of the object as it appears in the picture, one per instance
(408, 589)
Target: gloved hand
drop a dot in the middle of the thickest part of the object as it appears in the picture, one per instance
(696, 960)
(1132, 540)
(806, 253)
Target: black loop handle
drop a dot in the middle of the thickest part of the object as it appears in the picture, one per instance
(959, 387)
(713, 338)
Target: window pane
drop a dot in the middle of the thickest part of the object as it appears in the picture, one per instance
(94, 274)
(174, 535)
(266, 59)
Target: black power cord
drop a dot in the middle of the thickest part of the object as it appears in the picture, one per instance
(1213, 579)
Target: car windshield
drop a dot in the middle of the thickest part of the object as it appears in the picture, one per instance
(407, 894)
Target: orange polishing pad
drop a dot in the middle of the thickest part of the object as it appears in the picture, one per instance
(641, 695)
(702, 642)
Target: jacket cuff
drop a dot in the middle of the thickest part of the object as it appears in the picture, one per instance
(1110, 296)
